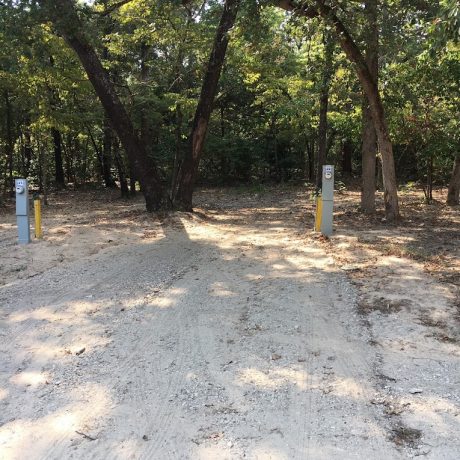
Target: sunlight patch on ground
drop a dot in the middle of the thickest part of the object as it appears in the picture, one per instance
(30, 379)
(268, 453)
(219, 289)
(25, 435)
(350, 388)
(254, 277)
(279, 267)
(64, 423)
(436, 411)
(65, 313)
(169, 301)
(274, 379)
(3, 393)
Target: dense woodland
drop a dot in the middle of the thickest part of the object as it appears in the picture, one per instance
(161, 96)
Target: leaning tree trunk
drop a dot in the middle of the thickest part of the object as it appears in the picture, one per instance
(189, 167)
(371, 90)
(453, 193)
(323, 106)
(369, 136)
(66, 21)
(376, 107)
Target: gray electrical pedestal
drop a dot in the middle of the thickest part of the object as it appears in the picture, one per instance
(327, 196)
(22, 210)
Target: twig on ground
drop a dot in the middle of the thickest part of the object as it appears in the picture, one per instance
(86, 436)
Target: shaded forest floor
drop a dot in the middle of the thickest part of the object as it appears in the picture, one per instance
(233, 332)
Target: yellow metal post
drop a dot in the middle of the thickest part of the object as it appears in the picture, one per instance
(38, 217)
(319, 212)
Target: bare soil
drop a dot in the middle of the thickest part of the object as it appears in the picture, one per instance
(234, 332)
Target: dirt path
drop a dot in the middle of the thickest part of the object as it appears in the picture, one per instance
(225, 336)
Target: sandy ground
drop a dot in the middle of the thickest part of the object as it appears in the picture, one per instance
(231, 333)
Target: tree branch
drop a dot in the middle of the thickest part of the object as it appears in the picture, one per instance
(110, 9)
(301, 10)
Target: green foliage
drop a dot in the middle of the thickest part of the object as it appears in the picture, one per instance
(265, 120)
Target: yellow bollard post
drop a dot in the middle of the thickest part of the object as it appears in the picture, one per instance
(319, 212)
(38, 217)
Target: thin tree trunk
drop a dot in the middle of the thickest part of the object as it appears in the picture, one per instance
(77, 153)
(429, 180)
(107, 156)
(177, 152)
(9, 144)
(191, 161)
(369, 136)
(28, 151)
(304, 160)
(224, 164)
(40, 165)
(132, 182)
(323, 107)
(275, 151)
(178, 86)
(85, 163)
(146, 132)
(453, 193)
(68, 158)
(121, 171)
(68, 24)
(43, 180)
(58, 166)
(98, 152)
(311, 159)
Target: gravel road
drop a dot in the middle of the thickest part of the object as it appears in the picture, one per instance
(225, 337)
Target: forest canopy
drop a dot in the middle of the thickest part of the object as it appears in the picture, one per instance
(170, 94)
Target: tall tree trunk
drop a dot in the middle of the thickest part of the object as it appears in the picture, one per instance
(109, 182)
(177, 150)
(323, 106)
(43, 169)
(9, 143)
(121, 170)
(429, 180)
(68, 155)
(369, 136)
(28, 151)
(371, 90)
(84, 164)
(453, 193)
(311, 159)
(224, 164)
(58, 166)
(191, 161)
(99, 154)
(68, 24)
(146, 132)
(59, 178)
(132, 182)
(77, 162)
(275, 152)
